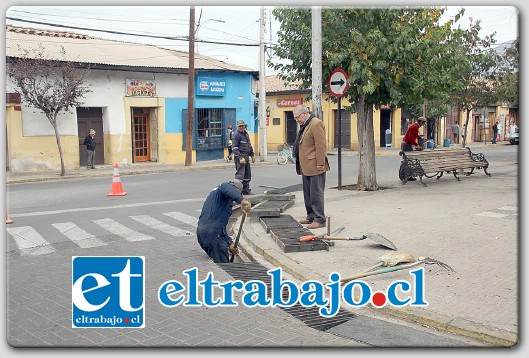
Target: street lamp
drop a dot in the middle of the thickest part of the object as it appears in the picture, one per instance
(202, 23)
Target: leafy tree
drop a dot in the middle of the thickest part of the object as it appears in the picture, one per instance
(477, 70)
(508, 87)
(392, 56)
(49, 85)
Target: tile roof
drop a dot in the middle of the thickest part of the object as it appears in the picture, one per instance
(273, 84)
(94, 50)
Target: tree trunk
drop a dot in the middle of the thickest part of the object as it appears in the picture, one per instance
(58, 139)
(367, 178)
(466, 129)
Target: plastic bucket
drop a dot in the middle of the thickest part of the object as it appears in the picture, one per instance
(446, 142)
(431, 144)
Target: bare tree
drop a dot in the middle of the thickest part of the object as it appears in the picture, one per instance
(49, 84)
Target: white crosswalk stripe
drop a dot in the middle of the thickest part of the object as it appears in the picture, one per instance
(159, 225)
(82, 238)
(29, 241)
(187, 219)
(121, 230)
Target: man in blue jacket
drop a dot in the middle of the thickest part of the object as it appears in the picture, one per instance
(216, 211)
(243, 151)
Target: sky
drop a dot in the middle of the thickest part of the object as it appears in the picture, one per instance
(226, 24)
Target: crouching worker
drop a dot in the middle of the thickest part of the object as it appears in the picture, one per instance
(216, 211)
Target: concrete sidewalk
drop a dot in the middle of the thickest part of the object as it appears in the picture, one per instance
(447, 220)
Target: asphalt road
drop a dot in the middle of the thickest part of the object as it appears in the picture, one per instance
(160, 206)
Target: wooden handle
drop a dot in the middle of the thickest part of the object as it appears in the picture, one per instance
(338, 238)
(238, 235)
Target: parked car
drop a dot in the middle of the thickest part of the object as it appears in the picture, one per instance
(515, 137)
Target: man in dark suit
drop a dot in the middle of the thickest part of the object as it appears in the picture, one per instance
(310, 151)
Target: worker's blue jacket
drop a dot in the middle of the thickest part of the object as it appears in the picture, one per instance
(211, 229)
(242, 145)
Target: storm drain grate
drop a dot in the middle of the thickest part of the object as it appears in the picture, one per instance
(246, 271)
(285, 190)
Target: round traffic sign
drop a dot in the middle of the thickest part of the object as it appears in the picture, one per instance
(337, 82)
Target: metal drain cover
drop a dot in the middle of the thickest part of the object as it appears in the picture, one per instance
(246, 271)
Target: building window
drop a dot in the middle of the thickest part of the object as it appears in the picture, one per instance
(209, 122)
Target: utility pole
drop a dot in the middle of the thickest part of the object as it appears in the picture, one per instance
(190, 89)
(262, 91)
(316, 62)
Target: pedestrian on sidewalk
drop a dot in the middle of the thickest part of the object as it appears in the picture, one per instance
(229, 140)
(216, 211)
(455, 132)
(310, 151)
(495, 132)
(243, 152)
(90, 143)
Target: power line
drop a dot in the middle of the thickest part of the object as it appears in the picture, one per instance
(175, 38)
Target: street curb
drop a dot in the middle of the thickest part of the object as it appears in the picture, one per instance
(128, 172)
(438, 321)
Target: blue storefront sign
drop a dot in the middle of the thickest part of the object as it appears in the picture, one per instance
(208, 86)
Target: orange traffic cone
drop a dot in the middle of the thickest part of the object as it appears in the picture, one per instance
(8, 220)
(117, 187)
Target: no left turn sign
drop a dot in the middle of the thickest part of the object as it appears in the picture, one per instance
(337, 82)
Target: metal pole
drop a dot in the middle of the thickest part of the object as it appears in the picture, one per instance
(339, 143)
(262, 91)
(316, 62)
(190, 89)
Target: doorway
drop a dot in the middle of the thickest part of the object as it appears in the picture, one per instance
(90, 118)
(385, 128)
(291, 127)
(140, 135)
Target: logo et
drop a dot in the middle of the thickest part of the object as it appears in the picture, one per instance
(108, 292)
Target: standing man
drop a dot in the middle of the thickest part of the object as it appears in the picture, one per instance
(495, 132)
(310, 151)
(216, 211)
(455, 132)
(90, 143)
(243, 151)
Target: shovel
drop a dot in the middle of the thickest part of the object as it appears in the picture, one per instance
(379, 239)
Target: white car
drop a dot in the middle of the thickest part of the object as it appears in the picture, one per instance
(515, 137)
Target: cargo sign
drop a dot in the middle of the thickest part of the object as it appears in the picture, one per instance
(210, 86)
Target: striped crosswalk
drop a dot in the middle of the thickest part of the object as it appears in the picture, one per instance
(30, 242)
(78, 235)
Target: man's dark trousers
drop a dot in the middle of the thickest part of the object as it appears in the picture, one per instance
(243, 173)
(313, 188)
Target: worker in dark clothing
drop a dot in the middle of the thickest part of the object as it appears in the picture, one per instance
(243, 151)
(216, 211)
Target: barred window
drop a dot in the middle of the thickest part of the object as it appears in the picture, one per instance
(209, 122)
